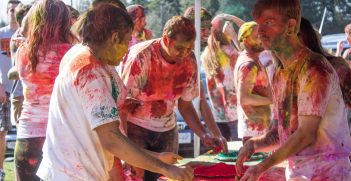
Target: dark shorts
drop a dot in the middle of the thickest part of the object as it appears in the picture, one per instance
(28, 155)
(229, 130)
(153, 141)
(5, 115)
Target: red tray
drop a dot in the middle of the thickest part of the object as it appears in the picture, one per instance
(226, 172)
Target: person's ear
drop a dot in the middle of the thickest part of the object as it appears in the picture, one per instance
(292, 23)
(115, 38)
(165, 39)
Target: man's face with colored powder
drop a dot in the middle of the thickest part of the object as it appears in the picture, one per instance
(272, 30)
(179, 48)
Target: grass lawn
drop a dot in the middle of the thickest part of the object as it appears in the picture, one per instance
(9, 170)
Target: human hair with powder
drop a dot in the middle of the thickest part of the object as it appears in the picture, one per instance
(97, 26)
(180, 25)
(49, 24)
(289, 9)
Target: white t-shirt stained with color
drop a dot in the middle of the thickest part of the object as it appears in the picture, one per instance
(86, 95)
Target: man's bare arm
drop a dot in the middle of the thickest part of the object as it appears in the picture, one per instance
(187, 110)
(207, 115)
(246, 84)
(303, 137)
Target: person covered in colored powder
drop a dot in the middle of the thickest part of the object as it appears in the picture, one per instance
(308, 36)
(204, 108)
(140, 33)
(340, 46)
(254, 95)
(206, 19)
(310, 127)
(158, 73)
(6, 84)
(37, 63)
(16, 40)
(83, 131)
(218, 61)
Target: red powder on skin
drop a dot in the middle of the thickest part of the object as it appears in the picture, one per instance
(32, 161)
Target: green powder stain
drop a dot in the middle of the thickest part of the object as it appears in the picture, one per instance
(115, 91)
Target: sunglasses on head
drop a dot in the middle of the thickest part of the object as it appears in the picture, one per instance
(14, 2)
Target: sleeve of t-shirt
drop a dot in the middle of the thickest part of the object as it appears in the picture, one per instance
(134, 74)
(247, 73)
(95, 91)
(314, 90)
(191, 91)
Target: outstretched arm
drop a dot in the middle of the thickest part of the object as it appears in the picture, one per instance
(207, 115)
(113, 141)
(232, 18)
(187, 110)
(304, 136)
(246, 80)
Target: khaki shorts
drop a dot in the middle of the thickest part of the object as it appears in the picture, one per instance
(16, 108)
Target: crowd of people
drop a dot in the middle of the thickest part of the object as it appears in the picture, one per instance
(94, 95)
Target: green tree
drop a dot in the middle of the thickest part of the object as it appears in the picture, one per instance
(212, 6)
(162, 11)
(337, 16)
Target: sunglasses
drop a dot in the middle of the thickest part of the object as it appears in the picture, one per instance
(14, 2)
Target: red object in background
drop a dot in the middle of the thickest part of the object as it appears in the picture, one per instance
(217, 149)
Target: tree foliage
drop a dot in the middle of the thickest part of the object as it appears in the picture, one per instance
(337, 16)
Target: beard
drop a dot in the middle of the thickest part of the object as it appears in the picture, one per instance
(257, 48)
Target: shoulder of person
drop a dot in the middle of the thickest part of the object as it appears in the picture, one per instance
(317, 65)
(141, 49)
(245, 60)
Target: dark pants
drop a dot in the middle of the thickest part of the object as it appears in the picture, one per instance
(28, 155)
(229, 130)
(153, 141)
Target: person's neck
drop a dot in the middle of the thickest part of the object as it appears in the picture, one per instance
(13, 24)
(289, 53)
(164, 53)
(252, 54)
(137, 32)
(99, 52)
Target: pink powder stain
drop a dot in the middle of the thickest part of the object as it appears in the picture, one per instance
(79, 167)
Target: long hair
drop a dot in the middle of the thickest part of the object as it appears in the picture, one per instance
(310, 38)
(213, 51)
(49, 25)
